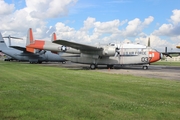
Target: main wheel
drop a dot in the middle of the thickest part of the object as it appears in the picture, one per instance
(92, 66)
(145, 67)
(39, 62)
(110, 66)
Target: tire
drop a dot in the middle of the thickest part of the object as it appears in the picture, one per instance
(39, 62)
(145, 67)
(110, 66)
(92, 66)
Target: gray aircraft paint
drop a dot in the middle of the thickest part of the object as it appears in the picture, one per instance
(27, 56)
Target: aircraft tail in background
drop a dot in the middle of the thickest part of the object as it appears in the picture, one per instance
(30, 37)
(30, 41)
(53, 37)
(2, 43)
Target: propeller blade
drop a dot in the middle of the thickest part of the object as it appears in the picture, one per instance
(116, 54)
(149, 43)
(166, 53)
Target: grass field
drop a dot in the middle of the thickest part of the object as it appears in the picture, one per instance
(166, 63)
(32, 91)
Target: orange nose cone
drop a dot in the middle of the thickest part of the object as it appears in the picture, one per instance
(154, 56)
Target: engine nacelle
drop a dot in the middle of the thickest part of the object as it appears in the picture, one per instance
(109, 51)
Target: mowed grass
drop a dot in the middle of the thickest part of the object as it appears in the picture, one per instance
(166, 63)
(32, 91)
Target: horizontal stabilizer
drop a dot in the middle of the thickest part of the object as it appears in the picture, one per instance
(32, 50)
(18, 48)
(13, 37)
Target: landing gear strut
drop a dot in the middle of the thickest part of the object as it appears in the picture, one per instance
(110, 66)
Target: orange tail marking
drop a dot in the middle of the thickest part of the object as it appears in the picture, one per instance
(53, 37)
(32, 50)
(31, 35)
(37, 44)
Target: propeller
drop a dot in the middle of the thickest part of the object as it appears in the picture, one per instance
(117, 52)
(149, 43)
(166, 53)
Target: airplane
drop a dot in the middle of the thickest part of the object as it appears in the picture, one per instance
(112, 54)
(20, 53)
(34, 45)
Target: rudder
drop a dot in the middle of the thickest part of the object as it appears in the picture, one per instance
(30, 37)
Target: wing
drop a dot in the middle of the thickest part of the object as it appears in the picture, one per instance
(18, 48)
(78, 46)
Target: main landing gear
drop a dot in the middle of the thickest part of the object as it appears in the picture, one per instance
(145, 67)
(93, 66)
(110, 66)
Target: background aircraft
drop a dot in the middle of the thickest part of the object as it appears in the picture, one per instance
(112, 54)
(20, 53)
(35, 46)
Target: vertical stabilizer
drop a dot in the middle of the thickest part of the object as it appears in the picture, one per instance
(29, 41)
(53, 38)
(9, 40)
(30, 38)
(1, 38)
(2, 43)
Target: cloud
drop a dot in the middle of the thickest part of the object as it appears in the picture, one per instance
(175, 18)
(107, 27)
(136, 26)
(6, 8)
(44, 9)
(33, 15)
(155, 42)
(95, 31)
(173, 28)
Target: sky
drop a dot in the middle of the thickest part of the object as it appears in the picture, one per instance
(94, 21)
